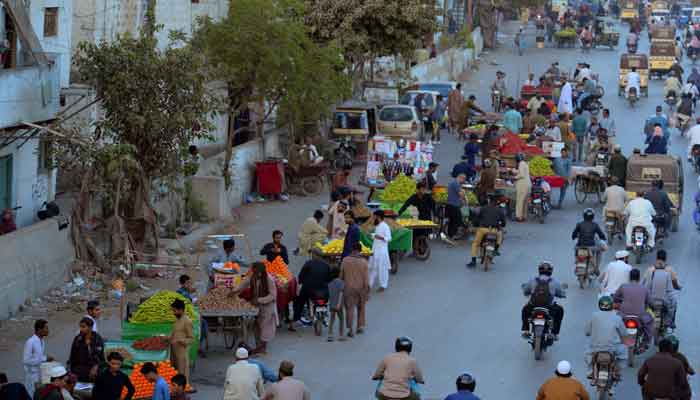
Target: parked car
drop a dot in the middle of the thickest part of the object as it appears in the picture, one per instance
(442, 87)
(429, 98)
(400, 121)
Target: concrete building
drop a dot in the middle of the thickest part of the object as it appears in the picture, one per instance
(35, 59)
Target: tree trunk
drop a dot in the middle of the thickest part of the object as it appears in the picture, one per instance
(487, 21)
(85, 249)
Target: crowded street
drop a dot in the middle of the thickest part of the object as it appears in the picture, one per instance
(459, 319)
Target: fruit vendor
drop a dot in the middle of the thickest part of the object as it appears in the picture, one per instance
(336, 219)
(181, 338)
(264, 296)
(311, 233)
(352, 235)
(275, 248)
(227, 255)
(422, 201)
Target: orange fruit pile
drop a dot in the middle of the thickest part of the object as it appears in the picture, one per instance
(278, 268)
(144, 388)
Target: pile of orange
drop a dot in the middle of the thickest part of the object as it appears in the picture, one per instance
(232, 266)
(144, 388)
(278, 269)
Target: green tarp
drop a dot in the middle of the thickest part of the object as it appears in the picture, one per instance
(140, 331)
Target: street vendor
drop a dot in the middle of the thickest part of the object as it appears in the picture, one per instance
(336, 220)
(311, 233)
(422, 201)
(535, 103)
(227, 255)
(512, 120)
(487, 180)
(263, 296)
(181, 338)
(275, 248)
(86, 352)
(454, 107)
(472, 149)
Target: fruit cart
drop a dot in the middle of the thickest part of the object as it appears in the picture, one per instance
(589, 181)
(332, 251)
(421, 235)
(400, 244)
(233, 325)
(134, 356)
(565, 38)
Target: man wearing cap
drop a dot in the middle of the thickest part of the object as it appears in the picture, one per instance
(562, 386)
(287, 388)
(465, 388)
(606, 331)
(379, 262)
(243, 379)
(52, 390)
(617, 273)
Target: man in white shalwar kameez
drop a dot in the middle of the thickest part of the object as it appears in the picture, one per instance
(34, 354)
(566, 104)
(379, 262)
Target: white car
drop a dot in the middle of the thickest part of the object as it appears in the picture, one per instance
(400, 121)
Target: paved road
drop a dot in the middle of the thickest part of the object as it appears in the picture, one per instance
(464, 320)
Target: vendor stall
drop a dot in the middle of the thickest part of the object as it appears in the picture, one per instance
(332, 251)
(401, 240)
(228, 316)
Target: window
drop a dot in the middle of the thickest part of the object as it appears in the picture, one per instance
(5, 182)
(45, 160)
(350, 120)
(50, 21)
(397, 114)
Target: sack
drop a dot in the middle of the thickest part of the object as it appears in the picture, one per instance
(541, 297)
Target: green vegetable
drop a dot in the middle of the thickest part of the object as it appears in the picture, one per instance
(540, 166)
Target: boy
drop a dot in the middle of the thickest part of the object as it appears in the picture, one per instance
(179, 384)
(110, 383)
(335, 302)
(161, 391)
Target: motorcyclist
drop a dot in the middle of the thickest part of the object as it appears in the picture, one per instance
(586, 232)
(672, 86)
(539, 297)
(589, 89)
(399, 373)
(466, 384)
(694, 48)
(693, 138)
(662, 282)
(617, 273)
(640, 212)
(694, 77)
(661, 202)
(500, 84)
(662, 376)
(632, 298)
(633, 81)
(685, 107)
(491, 219)
(677, 71)
(691, 89)
(606, 330)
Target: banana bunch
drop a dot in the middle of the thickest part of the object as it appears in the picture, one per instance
(399, 190)
(540, 166)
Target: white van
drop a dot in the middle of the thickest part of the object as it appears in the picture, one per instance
(695, 15)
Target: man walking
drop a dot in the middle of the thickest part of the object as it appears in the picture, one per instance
(454, 107)
(34, 355)
(379, 262)
(562, 167)
(455, 199)
(354, 271)
(579, 126)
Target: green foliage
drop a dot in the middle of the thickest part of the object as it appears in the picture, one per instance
(155, 102)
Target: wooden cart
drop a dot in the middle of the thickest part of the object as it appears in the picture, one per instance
(421, 242)
(233, 325)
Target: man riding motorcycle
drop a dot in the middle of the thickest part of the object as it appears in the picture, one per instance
(398, 373)
(632, 298)
(606, 330)
(500, 85)
(633, 81)
(661, 202)
(617, 273)
(542, 290)
(685, 108)
(586, 232)
(640, 212)
(672, 85)
(491, 220)
(662, 282)
(693, 138)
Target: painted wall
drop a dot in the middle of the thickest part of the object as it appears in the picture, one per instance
(59, 45)
(28, 94)
(450, 64)
(26, 273)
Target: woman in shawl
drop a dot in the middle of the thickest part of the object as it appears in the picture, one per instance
(263, 296)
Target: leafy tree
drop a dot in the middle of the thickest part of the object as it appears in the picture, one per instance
(154, 105)
(262, 52)
(366, 29)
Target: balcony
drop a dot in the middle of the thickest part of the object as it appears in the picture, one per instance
(29, 94)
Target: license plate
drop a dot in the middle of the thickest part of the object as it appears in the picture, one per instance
(629, 341)
(490, 248)
(580, 269)
(537, 201)
(539, 322)
(609, 223)
(631, 332)
(639, 242)
(603, 375)
(321, 309)
(639, 236)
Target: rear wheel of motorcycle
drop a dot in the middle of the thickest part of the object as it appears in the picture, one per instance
(541, 215)
(602, 393)
(580, 190)
(630, 356)
(638, 256)
(538, 347)
(312, 185)
(674, 224)
(421, 248)
(487, 262)
(601, 190)
(318, 327)
(581, 281)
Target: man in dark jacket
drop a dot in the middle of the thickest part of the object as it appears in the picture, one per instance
(617, 166)
(586, 232)
(491, 220)
(662, 376)
(422, 201)
(275, 248)
(12, 391)
(662, 203)
(313, 278)
(86, 352)
(112, 381)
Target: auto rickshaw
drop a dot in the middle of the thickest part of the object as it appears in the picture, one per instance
(605, 33)
(630, 11)
(643, 169)
(638, 61)
(356, 121)
(662, 57)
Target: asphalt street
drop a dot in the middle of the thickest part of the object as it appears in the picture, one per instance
(468, 320)
(465, 320)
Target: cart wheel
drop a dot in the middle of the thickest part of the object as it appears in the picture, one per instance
(312, 185)
(421, 248)
(674, 224)
(580, 190)
(601, 190)
(394, 256)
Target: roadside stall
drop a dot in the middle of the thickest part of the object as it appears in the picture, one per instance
(332, 251)
(589, 181)
(228, 316)
(401, 239)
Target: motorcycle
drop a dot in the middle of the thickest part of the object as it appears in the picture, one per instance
(586, 265)
(671, 100)
(659, 313)
(541, 337)
(601, 159)
(345, 153)
(695, 152)
(632, 96)
(605, 374)
(683, 122)
(640, 243)
(496, 101)
(613, 226)
(636, 339)
(659, 222)
(488, 249)
(540, 204)
(321, 314)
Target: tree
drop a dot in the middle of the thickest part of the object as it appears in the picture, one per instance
(154, 105)
(366, 29)
(262, 52)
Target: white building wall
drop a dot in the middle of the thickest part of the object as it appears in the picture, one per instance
(61, 43)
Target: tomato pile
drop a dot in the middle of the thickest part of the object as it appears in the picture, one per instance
(153, 343)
